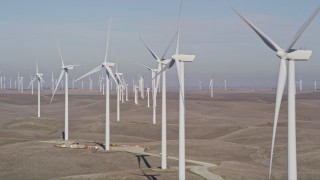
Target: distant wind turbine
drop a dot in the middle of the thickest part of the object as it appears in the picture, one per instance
(154, 92)
(211, 86)
(39, 78)
(64, 71)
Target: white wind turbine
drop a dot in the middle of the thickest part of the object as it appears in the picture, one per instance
(1, 78)
(136, 94)
(118, 87)
(106, 67)
(64, 71)
(21, 84)
(300, 85)
(148, 95)
(315, 85)
(180, 59)
(154, 92)
(31, 84)
(127, 86)
(211, 86)
(73, 83)
(4, 81)
(141, 86)
(290, 55)
(162, 62)
(39, 78)
(200, 85)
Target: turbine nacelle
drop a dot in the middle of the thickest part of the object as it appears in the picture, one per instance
(295, 54)
(183, 57)
(69, 67)
(164, 61)
(108, 64)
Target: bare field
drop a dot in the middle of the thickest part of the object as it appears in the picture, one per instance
(232, 130)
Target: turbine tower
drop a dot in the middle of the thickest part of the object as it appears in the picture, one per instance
(211, 86)
(64, 71)
(290, 55)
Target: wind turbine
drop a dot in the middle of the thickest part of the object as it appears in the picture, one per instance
(73, 83)
(148, 93)
(106, 67)
(141, 86)
(127, 85)
(21, 84)
(225, 85)
(1, 82)
(38, 77)
(315, 85)
(180, 59)
(211, 86)
(154, 92)
(200, 85)
(162, 62)
(290, 55)
(300, 85)
(4, 81)
(31, 84)
(64, 71)
(136, 94)
(118, 87)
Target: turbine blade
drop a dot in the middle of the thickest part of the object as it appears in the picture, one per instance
(150, 50)
(60, 54)
(90, 72)
(109, 71)
(61, 74)
(268, 41)
(74, 65)
(108, 39)
(303, 28)
(41, 79)
(37, 65)
(165, 52)
(30, 83)
(280, 88)
(118, 79)
(145, 66)
(179, 29)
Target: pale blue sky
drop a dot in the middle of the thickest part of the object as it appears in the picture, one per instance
(224, 46)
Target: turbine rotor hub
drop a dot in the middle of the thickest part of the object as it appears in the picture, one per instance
(282, 54)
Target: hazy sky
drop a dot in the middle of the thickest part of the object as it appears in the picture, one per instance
(225, 47)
